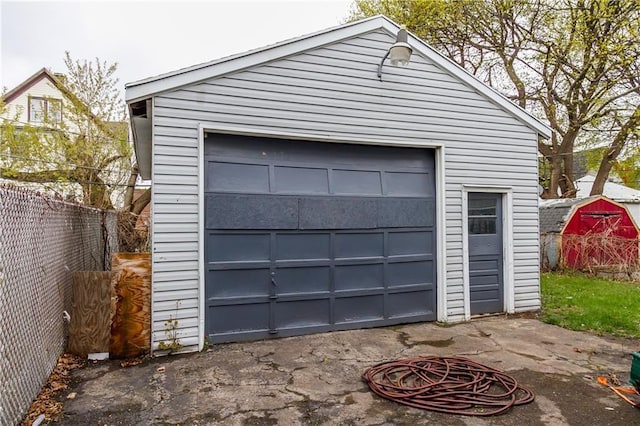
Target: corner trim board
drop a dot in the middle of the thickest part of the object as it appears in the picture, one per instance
(441, 236)
(152, 242)
(201, 259)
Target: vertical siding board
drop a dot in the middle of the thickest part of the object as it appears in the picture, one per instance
(334, 91)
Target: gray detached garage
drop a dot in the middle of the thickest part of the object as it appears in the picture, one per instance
(296, 192)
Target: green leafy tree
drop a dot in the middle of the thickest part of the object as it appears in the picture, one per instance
(573, 63)
(80, 148)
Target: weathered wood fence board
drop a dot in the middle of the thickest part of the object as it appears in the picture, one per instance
(91, 312)
(131, 326)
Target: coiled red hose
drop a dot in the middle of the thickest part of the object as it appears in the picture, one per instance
(451, 385)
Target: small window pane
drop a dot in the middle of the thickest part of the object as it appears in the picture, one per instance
(482, 225)
(482, 207)
(36, 110)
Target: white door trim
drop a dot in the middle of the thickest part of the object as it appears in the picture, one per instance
(507, 244)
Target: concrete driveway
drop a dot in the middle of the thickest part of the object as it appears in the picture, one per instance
(317, 379)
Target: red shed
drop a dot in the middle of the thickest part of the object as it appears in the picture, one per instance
(594, 232)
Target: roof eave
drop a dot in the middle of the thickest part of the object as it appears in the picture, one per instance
(22, 87)
(141, 128)
(142, 89)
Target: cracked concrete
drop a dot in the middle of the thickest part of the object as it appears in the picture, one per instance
(316, 379)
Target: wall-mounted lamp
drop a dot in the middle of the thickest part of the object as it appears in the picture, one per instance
(399, 54)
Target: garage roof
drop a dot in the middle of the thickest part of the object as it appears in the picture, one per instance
(139, 91)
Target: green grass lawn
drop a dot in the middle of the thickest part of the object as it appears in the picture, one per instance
(580, 302)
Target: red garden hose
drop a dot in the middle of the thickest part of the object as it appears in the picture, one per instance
(451, 385)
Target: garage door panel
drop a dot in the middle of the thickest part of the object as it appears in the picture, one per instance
(407, 273)
(359, 309)
(356, 182)
(238, 318)
(224, 266)
(251, 212)
(408, 184)
(353, 245)
(338, 213)
(230, 177)
(353, 277)
(409, 304)
(218, 145)
(303, 313)
(303, 280)
(301, 180)
(405, 213)
(238, 247)
(239, 282)
(303, 246)
(410, 242)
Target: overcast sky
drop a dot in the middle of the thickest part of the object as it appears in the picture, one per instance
(147, 38)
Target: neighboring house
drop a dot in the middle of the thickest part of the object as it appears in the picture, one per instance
(587, 233)
(624, 195)
(43, 101)
(37, 99)
(296, 192)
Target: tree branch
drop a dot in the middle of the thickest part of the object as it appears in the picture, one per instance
(131, 185)
(141, 202)
(39, 177)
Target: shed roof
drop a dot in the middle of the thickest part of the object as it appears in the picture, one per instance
(555, 213)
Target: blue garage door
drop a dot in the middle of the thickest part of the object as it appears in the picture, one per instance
(305, 237)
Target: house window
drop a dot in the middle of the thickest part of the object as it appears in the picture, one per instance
(44, 109)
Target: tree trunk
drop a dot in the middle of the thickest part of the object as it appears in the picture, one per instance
(131, 186)
(567, 187)
(602, 175)
(610, 157)
(555, 163)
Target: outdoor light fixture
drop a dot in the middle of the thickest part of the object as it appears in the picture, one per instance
(398, 54)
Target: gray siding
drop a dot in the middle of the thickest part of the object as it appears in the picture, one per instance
(334, 91)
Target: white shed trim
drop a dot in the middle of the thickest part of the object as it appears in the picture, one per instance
(441, 235)
(151, 105)
(202, 262)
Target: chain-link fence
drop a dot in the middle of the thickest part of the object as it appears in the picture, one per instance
(42, 241)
